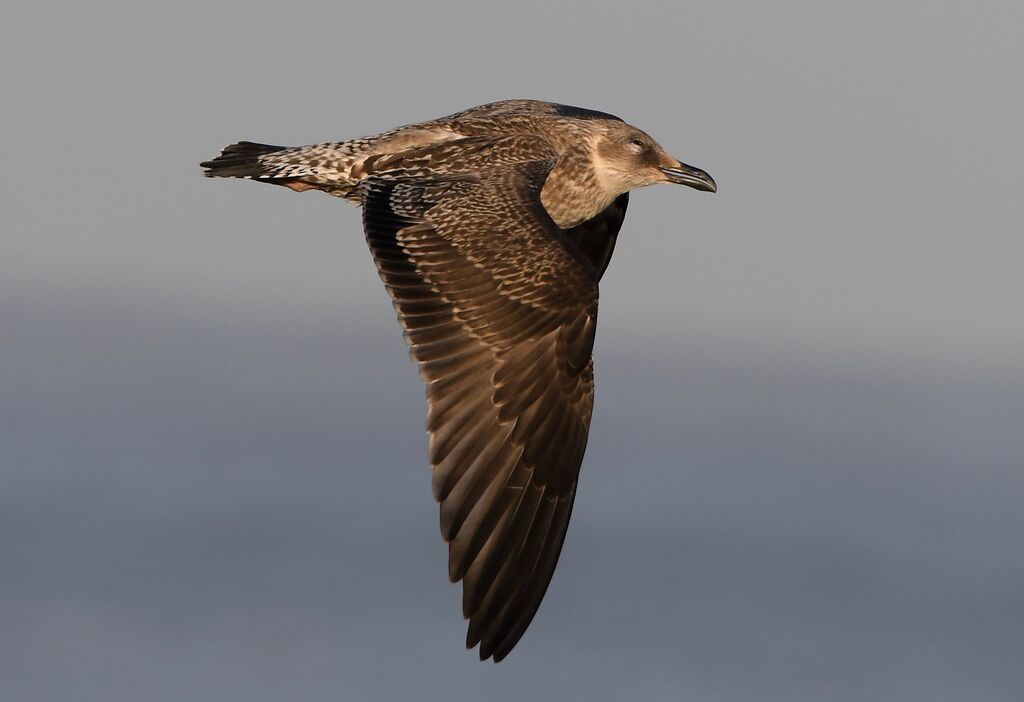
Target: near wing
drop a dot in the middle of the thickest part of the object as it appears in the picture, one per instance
(499, 310)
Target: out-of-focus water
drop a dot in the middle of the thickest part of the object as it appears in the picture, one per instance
(207, 511)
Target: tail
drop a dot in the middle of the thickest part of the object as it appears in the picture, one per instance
(243, 160)
(299, 168)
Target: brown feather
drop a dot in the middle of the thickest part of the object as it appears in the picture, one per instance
(501, 349)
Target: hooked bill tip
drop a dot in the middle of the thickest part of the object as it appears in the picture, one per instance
(690, 176)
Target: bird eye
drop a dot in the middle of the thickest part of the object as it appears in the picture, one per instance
(637, 144)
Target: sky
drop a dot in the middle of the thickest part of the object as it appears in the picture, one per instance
(804, 476)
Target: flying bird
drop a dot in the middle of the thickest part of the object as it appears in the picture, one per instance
(491, 229)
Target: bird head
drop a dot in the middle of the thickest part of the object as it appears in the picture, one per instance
(626, 158)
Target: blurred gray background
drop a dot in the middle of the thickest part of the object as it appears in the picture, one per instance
(806, 472)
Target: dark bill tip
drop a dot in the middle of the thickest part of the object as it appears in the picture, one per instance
(693, 177)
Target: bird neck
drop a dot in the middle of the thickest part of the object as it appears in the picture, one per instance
(573, 192)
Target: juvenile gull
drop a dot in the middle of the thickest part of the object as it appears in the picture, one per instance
(491, 229)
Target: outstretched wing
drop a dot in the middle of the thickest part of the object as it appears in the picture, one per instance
(499, 310)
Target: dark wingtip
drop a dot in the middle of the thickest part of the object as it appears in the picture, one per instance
(582, 113)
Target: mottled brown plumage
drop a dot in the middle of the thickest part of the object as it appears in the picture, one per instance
(490, 229)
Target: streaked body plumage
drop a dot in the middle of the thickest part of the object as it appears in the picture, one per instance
(491, 229)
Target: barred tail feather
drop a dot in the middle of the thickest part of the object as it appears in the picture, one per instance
(242, 160)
